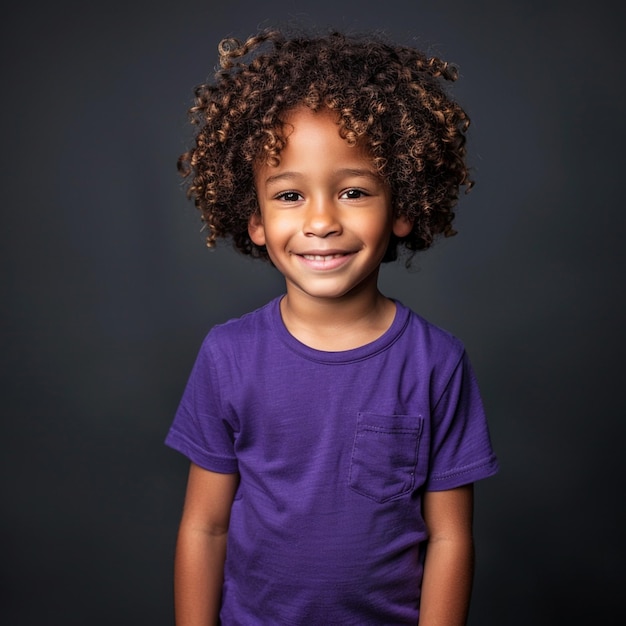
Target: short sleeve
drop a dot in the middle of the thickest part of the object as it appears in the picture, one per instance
(201, 429)
(461, 450)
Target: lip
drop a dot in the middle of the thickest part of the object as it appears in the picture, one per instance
(324, 260)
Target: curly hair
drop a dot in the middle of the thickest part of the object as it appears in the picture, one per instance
(390, 98)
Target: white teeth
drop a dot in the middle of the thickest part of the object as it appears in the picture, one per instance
(319, 257)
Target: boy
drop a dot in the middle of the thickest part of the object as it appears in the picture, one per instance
(334, 434)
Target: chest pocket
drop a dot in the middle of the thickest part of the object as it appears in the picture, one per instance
(385, 455)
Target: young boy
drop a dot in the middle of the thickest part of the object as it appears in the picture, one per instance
(334, 435)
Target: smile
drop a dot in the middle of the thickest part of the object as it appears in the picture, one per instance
(325, 262)
(322, 257)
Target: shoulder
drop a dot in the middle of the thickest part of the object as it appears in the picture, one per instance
(442, 359)
(241, 332)
(428, 339)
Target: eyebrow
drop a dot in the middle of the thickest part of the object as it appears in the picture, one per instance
(345, 172)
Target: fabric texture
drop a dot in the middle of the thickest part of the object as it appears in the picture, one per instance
(334, 451)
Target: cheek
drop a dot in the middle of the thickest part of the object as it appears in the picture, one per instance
(284, 220)
(278, 230)
(377, 230)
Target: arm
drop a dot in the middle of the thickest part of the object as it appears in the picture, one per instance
(449, 565)
(201, 547)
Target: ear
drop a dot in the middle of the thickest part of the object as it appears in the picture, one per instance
(402, 226)
(256, 230)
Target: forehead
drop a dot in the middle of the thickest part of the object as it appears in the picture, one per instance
(317, 135)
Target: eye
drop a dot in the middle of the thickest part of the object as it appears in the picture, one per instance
(289, 196)
(353, 194)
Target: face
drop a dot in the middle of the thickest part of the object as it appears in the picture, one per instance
(326, 215)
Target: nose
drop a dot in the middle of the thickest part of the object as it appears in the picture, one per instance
(321, 219)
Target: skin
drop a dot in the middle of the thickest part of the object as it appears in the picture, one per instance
(326, 219)
(201, 546)
(449, 565)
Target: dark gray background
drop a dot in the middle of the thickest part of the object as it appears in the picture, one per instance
(108, 291)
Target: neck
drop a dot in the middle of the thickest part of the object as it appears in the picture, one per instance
(335, 324)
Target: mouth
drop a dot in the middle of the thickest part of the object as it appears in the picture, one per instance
(325, 262)
(323, 257)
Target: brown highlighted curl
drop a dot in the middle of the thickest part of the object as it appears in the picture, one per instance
(388, 97)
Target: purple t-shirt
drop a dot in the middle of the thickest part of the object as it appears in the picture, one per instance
(334, 451)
